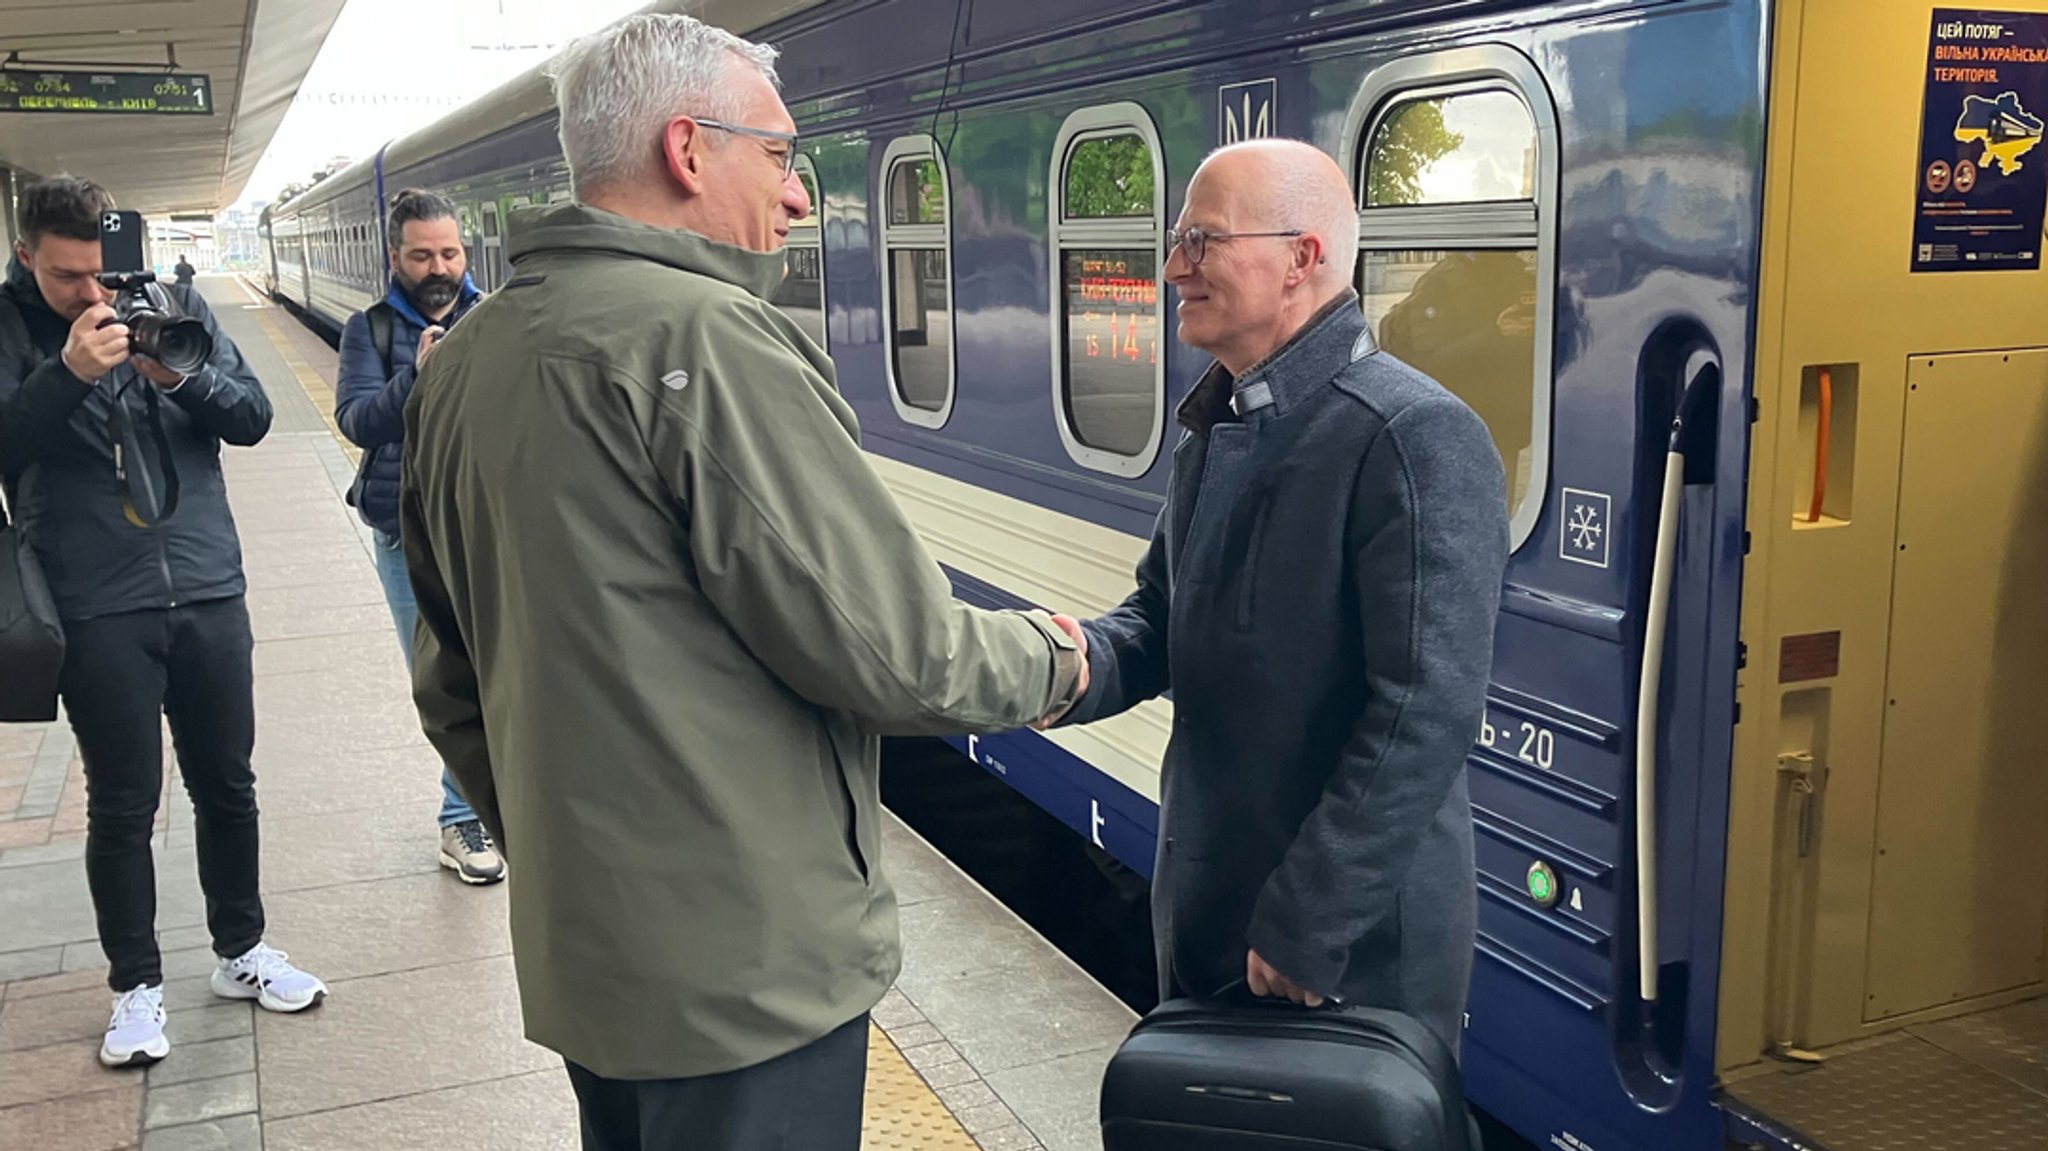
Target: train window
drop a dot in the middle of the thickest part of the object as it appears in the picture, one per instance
(1471, 147)
(491, 221)
(917, 260)
(1108, 210)
(802, 292)
(1456, 163)
(1110, 177)
(471, 242)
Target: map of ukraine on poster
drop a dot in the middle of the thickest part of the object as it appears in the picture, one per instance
(2005, 129)
(1981, 189)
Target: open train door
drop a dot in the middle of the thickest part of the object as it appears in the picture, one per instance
(1887, 930)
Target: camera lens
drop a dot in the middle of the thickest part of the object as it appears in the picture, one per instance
(181, 345)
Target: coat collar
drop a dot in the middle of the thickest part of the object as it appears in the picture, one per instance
(21, 287)
(1332, 339)
(579, 228)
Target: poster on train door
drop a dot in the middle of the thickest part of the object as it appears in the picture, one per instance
(1982, 185)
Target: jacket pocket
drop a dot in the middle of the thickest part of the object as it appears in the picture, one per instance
(849, 808)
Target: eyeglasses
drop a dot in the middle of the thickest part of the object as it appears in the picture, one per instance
(1194, 242)
(788, 158)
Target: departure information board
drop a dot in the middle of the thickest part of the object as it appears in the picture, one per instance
(185, 94)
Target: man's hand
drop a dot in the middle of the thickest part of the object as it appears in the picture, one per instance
(157, 374)
(427, 340)
(92, 351)
(1072, 627)
(1265, 981)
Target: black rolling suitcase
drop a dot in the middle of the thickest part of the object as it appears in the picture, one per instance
(1238, 1073)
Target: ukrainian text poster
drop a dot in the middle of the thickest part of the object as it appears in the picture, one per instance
(1982, 184)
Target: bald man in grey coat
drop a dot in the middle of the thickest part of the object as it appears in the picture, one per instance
(1319, 595)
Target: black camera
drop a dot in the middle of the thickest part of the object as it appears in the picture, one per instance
(157, 327)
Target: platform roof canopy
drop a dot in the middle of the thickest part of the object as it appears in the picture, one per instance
(255, 52)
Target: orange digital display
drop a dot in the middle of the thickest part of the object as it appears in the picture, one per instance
(1112, 307)
(1112, 332)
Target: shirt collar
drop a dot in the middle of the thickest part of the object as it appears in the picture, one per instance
(1333, 338)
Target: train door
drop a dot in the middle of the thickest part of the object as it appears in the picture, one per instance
(1581, 307)
(1888, 876)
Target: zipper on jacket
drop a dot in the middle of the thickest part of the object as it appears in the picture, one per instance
(163, 561)
(851, 832)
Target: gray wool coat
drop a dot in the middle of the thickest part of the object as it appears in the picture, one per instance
(1319, 596)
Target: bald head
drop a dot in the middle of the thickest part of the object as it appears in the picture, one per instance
(1279, 242)
(1288, 185)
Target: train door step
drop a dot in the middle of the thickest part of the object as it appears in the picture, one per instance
(1973, 1083)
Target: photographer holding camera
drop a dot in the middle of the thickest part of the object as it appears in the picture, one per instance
(111, 463)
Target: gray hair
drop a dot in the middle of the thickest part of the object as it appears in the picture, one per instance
(617, 88)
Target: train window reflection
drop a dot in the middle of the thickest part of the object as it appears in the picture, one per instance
(1460, 148)
(1456, 155)
(1110, 177)
(802, 292)
(922, 340)
(1111, 316)
(917, 193)
(1108, 212)
(917, 266)
(1466, 319)
(808, 175)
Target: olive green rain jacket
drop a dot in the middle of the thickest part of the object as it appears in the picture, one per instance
(666, 609)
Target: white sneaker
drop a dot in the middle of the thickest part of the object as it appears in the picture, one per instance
(263, 975)
(135, 1036)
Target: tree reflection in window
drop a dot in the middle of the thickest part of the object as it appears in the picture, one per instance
(917, 193)
(1110, 177)
(1462, 148)
(1461, 305)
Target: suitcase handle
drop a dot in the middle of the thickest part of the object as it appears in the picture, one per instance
(1422, 1043)
(1240, 993)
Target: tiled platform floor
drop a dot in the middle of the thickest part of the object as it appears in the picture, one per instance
(990, 1040)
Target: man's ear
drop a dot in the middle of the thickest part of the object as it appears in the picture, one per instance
(679, 155)
(1309, 255)
(21, 252)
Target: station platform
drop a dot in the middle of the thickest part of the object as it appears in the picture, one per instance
(990, 1040)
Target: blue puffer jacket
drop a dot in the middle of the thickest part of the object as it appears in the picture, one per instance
(369, 402)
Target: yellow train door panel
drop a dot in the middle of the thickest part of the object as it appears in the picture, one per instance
(1958, 905)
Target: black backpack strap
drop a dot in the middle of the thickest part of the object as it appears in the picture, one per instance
(379, 316)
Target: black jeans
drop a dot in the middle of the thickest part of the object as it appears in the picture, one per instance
(807, 1100)
(122, 673)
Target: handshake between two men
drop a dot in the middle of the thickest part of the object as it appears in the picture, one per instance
(1072, 627)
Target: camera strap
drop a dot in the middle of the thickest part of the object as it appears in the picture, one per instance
(141, 500)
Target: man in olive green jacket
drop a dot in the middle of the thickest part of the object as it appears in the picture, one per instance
(667, 608)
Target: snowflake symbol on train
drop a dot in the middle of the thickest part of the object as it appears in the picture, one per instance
(1585, 527)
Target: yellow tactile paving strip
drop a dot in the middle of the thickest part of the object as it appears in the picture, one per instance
(315, 387)
(902, 1111)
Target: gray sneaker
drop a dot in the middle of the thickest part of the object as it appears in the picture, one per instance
(469, 853)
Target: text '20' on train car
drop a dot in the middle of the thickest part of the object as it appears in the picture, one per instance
(1761, 769)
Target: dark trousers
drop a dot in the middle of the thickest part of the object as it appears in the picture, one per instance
(122, 674)
(807, 1100)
